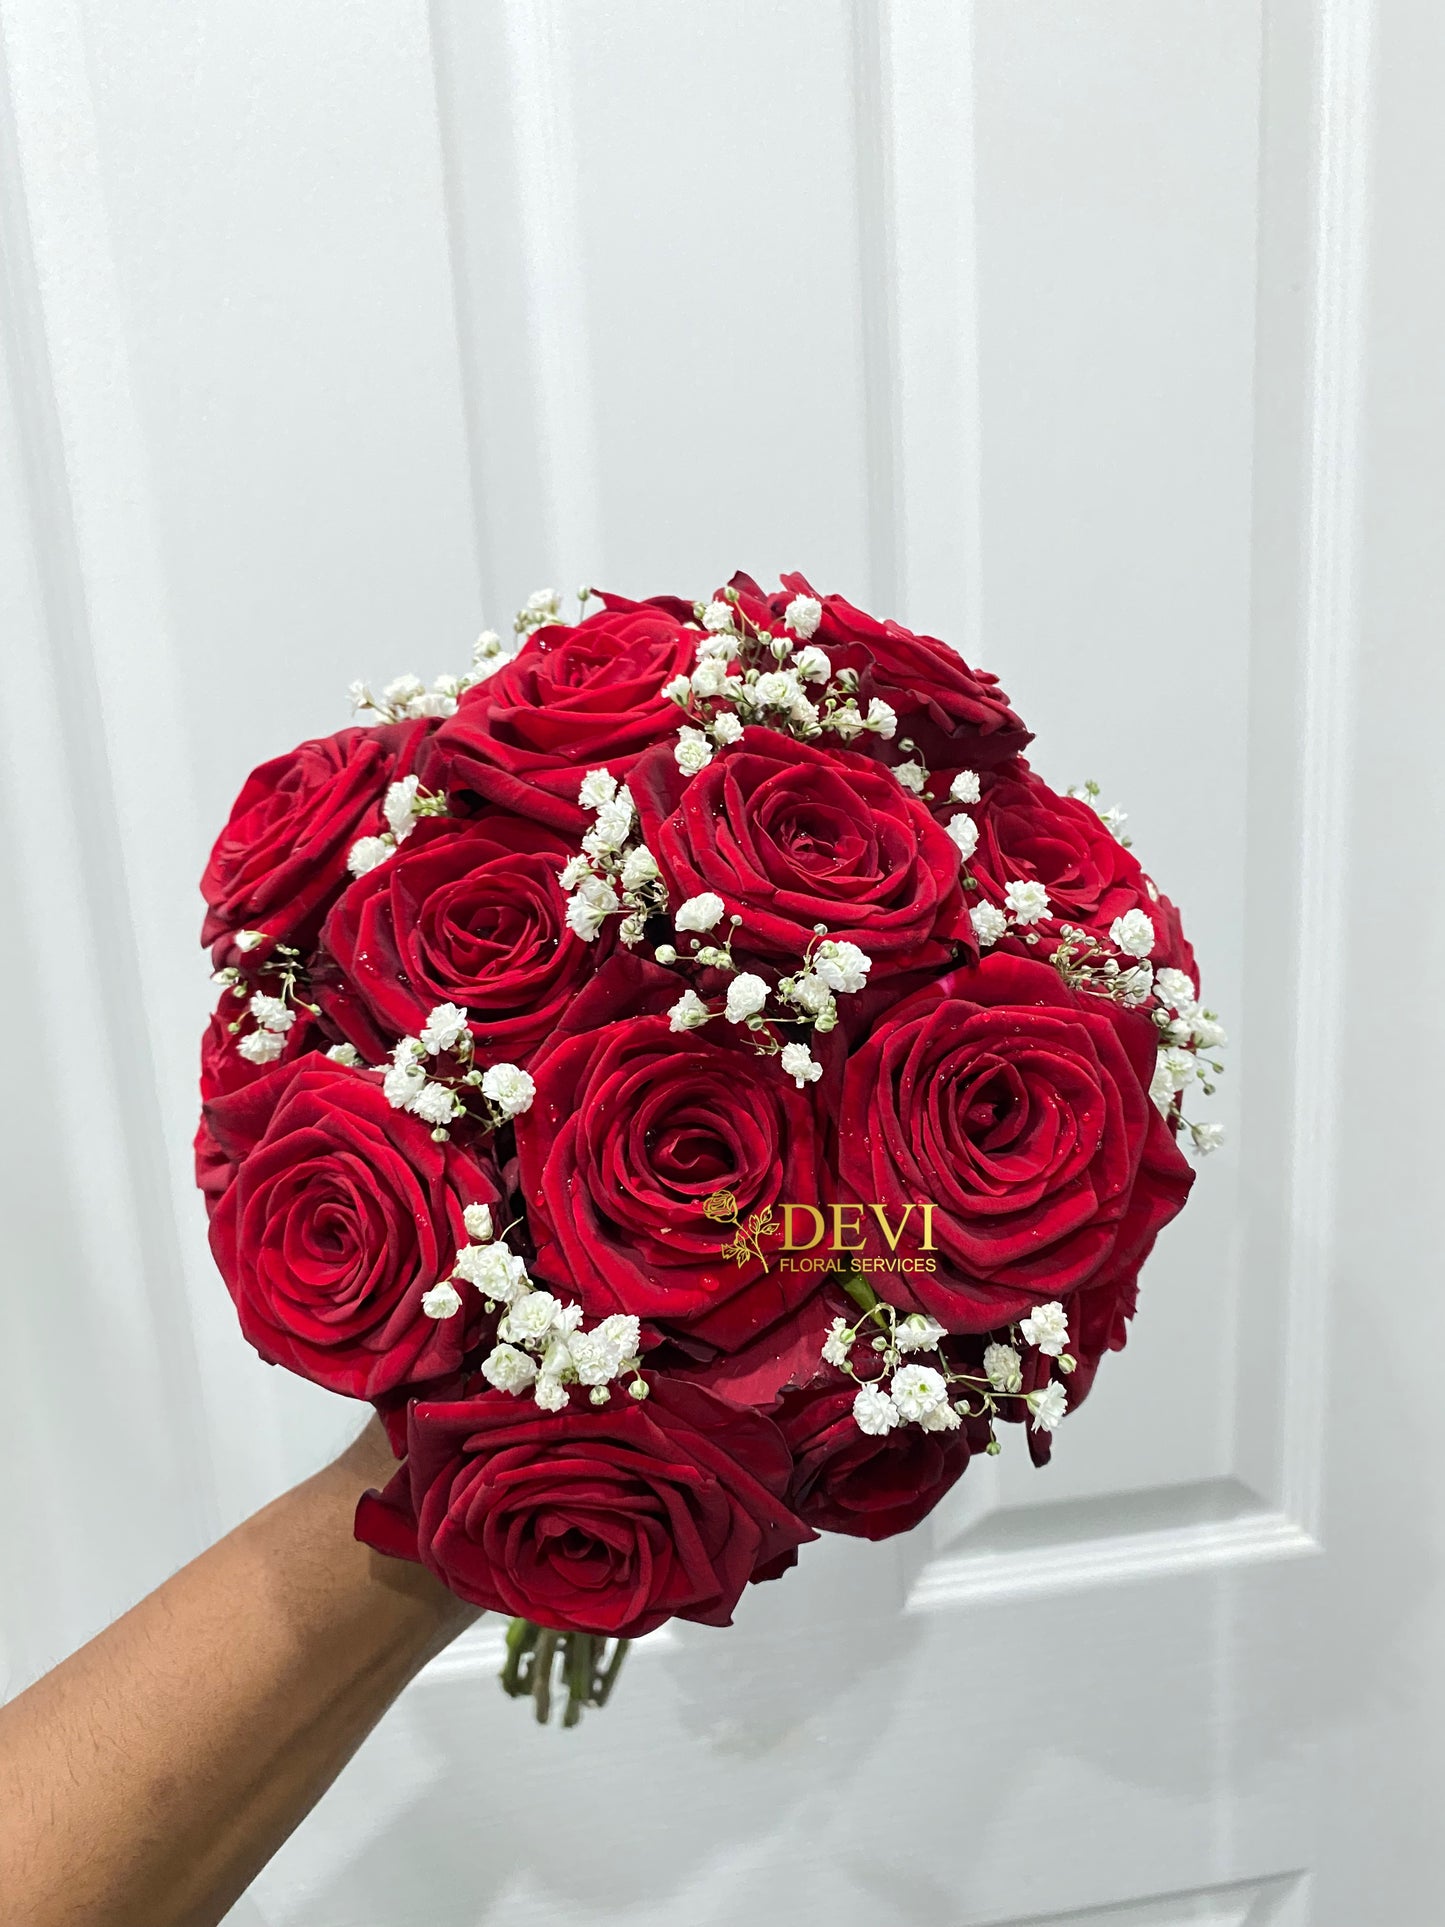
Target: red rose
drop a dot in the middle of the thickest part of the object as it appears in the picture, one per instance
(1029, 833)
(341, 1214)
(224, 1068)
(791, 836)
(604, 1520)
(470, 915)
(1019, 1110)
(574, 698)
(953, 714)
(633, 1129)
(845, 1480)
(282, 855)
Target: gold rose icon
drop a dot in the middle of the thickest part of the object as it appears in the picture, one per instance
(722, 1208)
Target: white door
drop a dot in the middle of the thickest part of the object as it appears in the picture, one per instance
(1101, 336)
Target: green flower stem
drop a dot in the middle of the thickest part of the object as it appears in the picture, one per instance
(540, 1662)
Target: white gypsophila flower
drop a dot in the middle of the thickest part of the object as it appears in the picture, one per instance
(433, 1104)
(1173, 988)
(599, 786)
(401, 1084)
(721, 646)
(727, 728)
(811, 993)
(1207, 1033)
(509, 1088)
(812, 664)
(874, 1412)
(802, 616)
(1135, 986)
(1133, 933)
(700, 912)
(678, 690)
(1003, 1368)
(399, 807)
(717, 616)
(544, 602)
(344, 1054)
(1029, 901)
(746, 996)
(621, 1330)
(797, 1062)
(965, 787)
(1047, 1327)
(688, 1013)
(838, 1345)
(1206, 1137)
(940, 1418)
(577, 869)
(918, 1333)
(593, 1359)
(270, 1012)
(916, 1389)
(529, 1318)
(495, 1271)
(444, 1030)
(964, 832)
(639, 866)
(442, 1301)
(478, 1220)
(487, 647)
(550, 1393)
(913, 777)
(557, 1359)
(1047, 1406)
(1161, 1085)
(508, 1369)
(846, 722)
(1181, 1065)
(249, 939)
(1113, 820)
(666, 953)
(804, 715)
(632, 928)
(403, 690)
(613, 825)
(776, 689)
(882, 719)
(989, 923)
(842, 966)
(693, 751)
(589, 907)
(1179, 1031)
(261, 1046)
(709, 678)
(366, 852)
(358, 696)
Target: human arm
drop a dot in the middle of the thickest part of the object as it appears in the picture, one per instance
(147, 1780)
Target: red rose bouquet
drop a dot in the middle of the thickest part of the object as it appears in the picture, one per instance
(700, 1084)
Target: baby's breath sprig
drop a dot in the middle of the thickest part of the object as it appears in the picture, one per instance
(938, 1397)
(273, 1003)
(435, 1076)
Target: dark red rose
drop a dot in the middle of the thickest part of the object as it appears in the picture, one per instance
(604, 1520)
(467, 914)
(633, 1129)
(282, 855)
(844, 1480)
(953, 714)
(224, 1068)
(1019, 1110)
(574, 698)
(1029, 833)
(791, 836)
(342, 1212)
